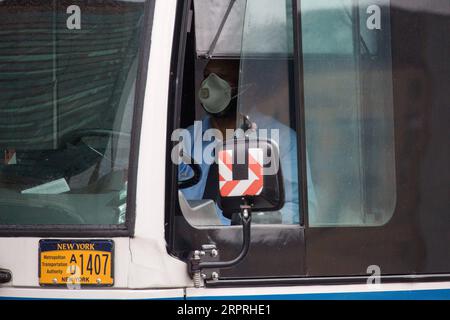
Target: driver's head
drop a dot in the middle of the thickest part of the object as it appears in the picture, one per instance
(218, 90)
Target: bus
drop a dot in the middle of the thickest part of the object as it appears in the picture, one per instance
(224, 149)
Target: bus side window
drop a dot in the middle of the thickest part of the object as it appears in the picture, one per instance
(349, 112)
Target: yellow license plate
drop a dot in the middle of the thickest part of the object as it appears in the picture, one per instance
(75, 263)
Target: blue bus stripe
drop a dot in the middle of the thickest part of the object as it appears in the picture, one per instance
(438, 294)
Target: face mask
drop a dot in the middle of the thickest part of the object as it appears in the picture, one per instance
(215, 94)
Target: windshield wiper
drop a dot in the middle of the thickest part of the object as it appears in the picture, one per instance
(219, 31)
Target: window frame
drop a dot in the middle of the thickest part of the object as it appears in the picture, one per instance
(106, 230)
(184, 20)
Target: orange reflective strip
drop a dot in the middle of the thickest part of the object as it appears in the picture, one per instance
(228, 187)
(254, 188)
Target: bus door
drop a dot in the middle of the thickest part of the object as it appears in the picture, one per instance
(250, 47)
(349, 91)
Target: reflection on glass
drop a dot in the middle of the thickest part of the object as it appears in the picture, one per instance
(66, 104)
(349, 111)
(268, 89)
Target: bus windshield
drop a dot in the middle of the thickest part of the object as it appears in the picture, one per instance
(67, 85)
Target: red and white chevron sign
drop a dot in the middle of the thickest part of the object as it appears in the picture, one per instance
(252, 186)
